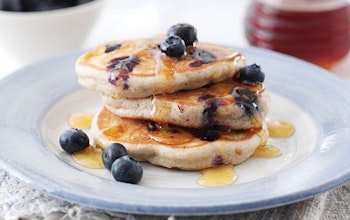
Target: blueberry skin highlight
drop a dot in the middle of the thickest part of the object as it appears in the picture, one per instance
(73, 140)
(173, 46)
(111, 153)
(252, 74)
(187, 32)
(126, 169)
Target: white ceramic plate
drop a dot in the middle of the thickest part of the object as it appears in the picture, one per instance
(36, 100)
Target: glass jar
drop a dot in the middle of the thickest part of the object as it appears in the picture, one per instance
(317, 31)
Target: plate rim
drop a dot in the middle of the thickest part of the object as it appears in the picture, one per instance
(203, 209)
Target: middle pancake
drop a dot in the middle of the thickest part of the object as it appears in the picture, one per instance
(228, 104)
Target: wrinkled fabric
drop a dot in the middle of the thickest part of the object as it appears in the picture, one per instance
(19, 201)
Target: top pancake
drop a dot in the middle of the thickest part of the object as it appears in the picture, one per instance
(138, 69)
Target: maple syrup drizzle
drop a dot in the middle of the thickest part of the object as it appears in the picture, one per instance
(168, 66)
(158, 64)
(217, 176)
(164, 65)
(80, 120)
(159, 109)
(114, 131)
(90, 157)
(264, 150)
(280, 129)
(171, 136)
(236, 57)
(94, 53)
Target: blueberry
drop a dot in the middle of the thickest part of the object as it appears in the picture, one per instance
(74, 140)
(153, 126)
(202, 57)
(186, 31)
(111, 47)
(126, 63)
(251, 74)
(210, 136)
(246, 100)
(126, 169)
(111, 153)
(173, 46)
(208, 133)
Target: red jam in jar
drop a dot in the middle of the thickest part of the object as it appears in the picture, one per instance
(317, 31)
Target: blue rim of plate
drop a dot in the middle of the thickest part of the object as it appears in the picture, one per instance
(27, 94)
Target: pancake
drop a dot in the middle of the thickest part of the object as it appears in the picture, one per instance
(227, 104)
(175, 147)
(138, 69)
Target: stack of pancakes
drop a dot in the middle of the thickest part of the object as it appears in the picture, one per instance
(188, 113)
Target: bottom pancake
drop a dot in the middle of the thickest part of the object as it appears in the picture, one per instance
(175, 147)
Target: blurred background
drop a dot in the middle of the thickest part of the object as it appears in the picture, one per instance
(233, 23)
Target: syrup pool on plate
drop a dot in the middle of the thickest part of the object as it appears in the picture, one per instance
(276, 129)
(280, 128)
(317, 31)
(80, 120)
(91, 157)
(217, 176)
(264, 150)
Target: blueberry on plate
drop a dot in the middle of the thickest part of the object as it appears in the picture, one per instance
(111, 153)
(126, 169)
(251, 74)
(74, 140)
(186, 31)
(173, 46)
